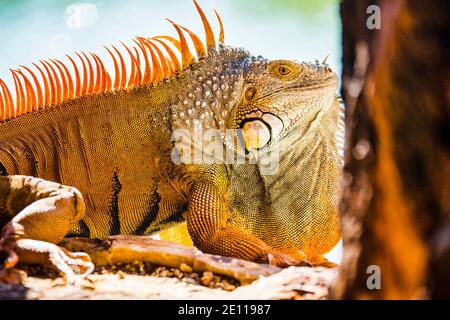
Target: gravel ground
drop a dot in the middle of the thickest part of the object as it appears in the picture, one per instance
(184, 274)
(130, 267)
(145, 281)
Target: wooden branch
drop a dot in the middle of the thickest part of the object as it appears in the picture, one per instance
(127, 249)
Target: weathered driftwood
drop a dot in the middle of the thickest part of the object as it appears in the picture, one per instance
(127, 249)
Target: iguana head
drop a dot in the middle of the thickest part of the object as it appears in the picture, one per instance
(277, 95)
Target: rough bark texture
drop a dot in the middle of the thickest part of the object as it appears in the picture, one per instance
(396, 183)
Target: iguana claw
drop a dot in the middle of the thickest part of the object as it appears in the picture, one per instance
(71, 265)
(281, 259)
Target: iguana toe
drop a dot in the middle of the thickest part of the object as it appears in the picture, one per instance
(71, 265)
(321, 261)
(281, 259)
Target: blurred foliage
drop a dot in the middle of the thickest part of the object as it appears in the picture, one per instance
(305, 8)
(43, 26)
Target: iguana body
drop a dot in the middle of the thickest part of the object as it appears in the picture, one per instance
(114, 145)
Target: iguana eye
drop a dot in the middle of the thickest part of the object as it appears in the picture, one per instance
(284, 70)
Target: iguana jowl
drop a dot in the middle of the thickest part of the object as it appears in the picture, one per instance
(85, 154)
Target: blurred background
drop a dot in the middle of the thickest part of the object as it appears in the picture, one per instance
(303, 30)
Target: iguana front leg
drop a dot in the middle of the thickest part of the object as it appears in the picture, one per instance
(207, 225)
(41, 214)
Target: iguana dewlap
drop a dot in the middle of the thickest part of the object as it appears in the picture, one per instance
(86, 154)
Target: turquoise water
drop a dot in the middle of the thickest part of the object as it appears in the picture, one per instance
(296, 29)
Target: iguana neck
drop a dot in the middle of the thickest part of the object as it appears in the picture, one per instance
(304, 184)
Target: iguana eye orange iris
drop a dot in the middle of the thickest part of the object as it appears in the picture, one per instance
(283, 70)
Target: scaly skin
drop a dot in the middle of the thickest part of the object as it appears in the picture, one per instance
(114, 150)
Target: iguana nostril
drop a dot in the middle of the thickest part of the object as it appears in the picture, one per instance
(250, 93)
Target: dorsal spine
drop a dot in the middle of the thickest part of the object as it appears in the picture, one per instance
(151, 60)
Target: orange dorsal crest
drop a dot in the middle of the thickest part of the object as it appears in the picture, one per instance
(149, 60)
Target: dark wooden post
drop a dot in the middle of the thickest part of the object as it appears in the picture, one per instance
(396, 183)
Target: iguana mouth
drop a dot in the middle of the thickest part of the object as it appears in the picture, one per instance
(330, 82)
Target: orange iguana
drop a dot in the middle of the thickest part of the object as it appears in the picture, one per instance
(86, 154)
